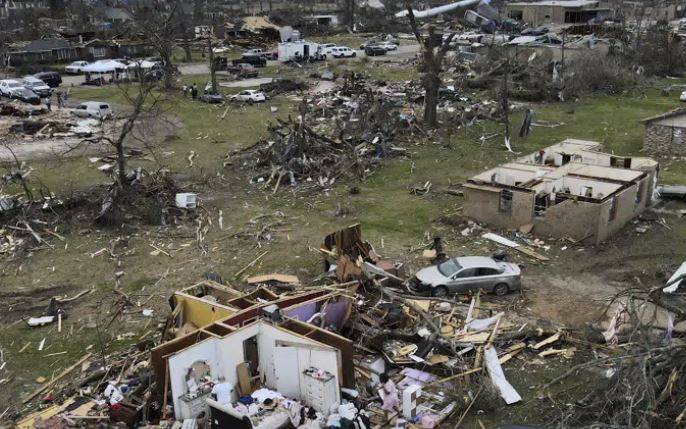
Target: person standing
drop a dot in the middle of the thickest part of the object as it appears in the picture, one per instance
(48, 103)
(60, 101)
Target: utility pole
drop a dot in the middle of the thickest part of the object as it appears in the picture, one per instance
(562, 66)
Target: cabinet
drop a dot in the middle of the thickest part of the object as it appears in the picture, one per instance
(320, 390)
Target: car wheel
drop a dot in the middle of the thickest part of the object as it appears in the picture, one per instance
(440, 292)
(251, 101)
(354, 54)
(324, 57)
(501, 289)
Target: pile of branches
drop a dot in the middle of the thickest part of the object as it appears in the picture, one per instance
(146, 197)
(282, 86)
(342, 134)
(645, 379)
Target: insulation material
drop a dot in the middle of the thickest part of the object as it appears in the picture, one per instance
(495, 371)
(303, 312)
(336, 313)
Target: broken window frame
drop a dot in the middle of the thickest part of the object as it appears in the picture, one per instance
(505, 201)
(539, 210)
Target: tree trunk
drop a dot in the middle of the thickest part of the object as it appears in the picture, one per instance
(121, 163)
(432, 84)
(165, 54)
(213, 73)
(187, 49)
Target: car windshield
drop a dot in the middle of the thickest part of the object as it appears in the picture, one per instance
(449, 267)
(14, 85)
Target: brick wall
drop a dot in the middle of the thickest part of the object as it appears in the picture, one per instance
(664, 140)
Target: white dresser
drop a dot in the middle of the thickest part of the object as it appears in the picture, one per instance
(321, 390)
(191, 407)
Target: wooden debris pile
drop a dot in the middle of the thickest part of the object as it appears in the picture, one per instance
(282, 86)
(97, 389)
(340, 134)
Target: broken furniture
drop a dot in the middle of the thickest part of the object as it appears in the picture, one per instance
(279, 356)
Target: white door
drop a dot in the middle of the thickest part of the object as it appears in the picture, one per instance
(287, 371)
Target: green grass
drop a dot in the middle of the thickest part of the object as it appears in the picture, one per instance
(201, 128)
(383, 206)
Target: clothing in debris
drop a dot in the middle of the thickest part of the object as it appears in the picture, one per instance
(388, 394)
(113, 394)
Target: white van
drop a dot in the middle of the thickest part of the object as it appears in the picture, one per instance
(93, 109)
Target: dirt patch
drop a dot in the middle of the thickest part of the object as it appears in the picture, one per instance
(573, 300)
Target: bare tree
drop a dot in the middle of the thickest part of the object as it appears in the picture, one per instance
(157, 24)
(141, 100)
(434, 49)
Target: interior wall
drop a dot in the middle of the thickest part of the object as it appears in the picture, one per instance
(180, 362)
(266, 343)
(230, 351)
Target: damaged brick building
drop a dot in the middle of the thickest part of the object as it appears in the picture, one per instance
(569, 190)
(665, 134)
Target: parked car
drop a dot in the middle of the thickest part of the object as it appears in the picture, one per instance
(325, 48)
(469, 273)
(368, 43)
(254, 53)
(255, 60)
(342, 52)
(10, 88)
(243, 71)
(374, 50)
(211, 98)
(389, 46)
(76, 67)
(683, 96)
(51, 78)
(27, 96)
(37, 86)
(249, 96)
(93, 109)
(535, 31)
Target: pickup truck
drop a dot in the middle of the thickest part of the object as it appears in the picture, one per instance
(243, 71)
(255, 60)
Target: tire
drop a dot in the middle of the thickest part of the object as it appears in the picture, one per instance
(354, 54)
(250, 101)
(324, 57)
(501, 289)
(439, 292)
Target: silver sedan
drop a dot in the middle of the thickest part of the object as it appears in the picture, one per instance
(469, 273)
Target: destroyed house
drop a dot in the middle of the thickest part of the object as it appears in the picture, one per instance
(568, 190)
(557, 11)
(306, 316)
(208, 301)
(665, 134)
(258, 355)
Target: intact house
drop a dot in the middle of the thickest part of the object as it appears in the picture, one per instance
(568, 190)
(557, 11)
(665, 134)
(59, 50)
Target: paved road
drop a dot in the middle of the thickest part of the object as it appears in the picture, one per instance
(403, 52)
